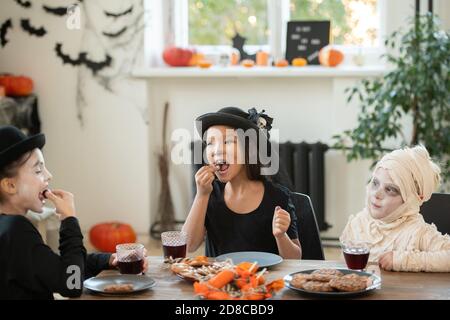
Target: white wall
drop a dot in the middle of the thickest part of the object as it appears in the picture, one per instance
(105, 162)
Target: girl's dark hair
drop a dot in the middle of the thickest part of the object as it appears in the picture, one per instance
(11, 170)
(254, 170)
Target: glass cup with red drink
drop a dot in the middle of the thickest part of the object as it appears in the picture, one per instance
(130, 258)
(356, 254)
(174, 244)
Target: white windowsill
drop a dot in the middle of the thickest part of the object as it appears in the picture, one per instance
(260, 72)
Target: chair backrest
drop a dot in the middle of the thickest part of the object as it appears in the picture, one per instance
(308, 231)
(437, 211)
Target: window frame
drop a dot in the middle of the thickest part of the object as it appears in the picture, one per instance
(278, 15)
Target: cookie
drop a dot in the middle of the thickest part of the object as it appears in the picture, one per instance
(317, 286)
(332, 272)
(349, 283)
(125, 287)
(299, 279)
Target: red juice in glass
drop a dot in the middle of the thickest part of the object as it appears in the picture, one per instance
(356, 258)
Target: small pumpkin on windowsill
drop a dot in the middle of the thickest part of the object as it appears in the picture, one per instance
(330, 57)
(105, 236)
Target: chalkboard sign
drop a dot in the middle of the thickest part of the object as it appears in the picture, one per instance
(306, 38)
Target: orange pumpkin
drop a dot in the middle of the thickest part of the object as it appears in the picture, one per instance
(105, 236)
(330, 57)
(16, 85)
(281, 63)
(299, 62)
(247, 63)
(196, 58)
(177, 57)
(204, 64)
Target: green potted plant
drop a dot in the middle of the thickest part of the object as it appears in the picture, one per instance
(416, 89)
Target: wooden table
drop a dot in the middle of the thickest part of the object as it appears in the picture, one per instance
(395, 285)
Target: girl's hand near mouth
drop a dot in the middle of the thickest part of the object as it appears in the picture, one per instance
(203, 179)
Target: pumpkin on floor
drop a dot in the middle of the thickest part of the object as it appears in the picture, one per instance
(105, 236)
(330, 57)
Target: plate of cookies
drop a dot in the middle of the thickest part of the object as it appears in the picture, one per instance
(332, 282)
(119, 284)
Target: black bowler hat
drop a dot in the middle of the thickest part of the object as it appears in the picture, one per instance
(235, 118)
(14, 143)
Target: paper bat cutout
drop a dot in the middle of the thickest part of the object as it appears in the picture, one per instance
(95, 66)
(3, 31)
(115, 34)
(83, 59)
(26, 26)
(57, 11)
(120, 14)
(24, 4)
(65, 57)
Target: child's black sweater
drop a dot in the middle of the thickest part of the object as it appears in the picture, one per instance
(29, 269)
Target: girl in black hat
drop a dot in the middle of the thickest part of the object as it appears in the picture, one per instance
(28, 268)
(236, 207)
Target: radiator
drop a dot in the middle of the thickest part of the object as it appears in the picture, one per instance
(304, 165)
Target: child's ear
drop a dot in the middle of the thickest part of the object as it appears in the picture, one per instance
(8, 186)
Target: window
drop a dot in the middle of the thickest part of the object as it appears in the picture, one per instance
(213, 22)
(353, 22)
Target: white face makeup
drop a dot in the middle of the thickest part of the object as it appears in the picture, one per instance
(223, 152)
(384, 195)
(31, 182)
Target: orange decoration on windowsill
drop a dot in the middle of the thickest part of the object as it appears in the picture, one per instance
(281, 63)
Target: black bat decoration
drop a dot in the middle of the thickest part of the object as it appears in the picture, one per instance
(120, 14)
(95, 66)
(65, 57)
(83, 59)
(115, 34)
(26, 26)
(57, 11)
(3, 31)
(24, 4)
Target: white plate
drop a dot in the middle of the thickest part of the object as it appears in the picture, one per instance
(139, 282)
(263, 259)
(376, 283)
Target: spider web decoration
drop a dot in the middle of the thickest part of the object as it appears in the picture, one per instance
(109, 50)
